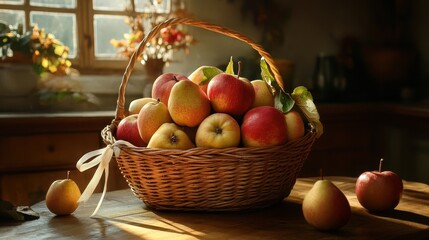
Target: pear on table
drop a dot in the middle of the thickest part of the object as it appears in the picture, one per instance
(62, 196)
(325, 206)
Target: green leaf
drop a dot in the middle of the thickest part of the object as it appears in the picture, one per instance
(282, 100)
(304, 101)
(230, 67)
(209, 72)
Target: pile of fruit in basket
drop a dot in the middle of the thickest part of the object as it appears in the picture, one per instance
(216, 109)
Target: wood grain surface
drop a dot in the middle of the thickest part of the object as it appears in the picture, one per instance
(123, 216)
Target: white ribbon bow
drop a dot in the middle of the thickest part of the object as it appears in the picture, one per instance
(102, 159)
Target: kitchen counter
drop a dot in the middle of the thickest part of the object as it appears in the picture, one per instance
(123, 216)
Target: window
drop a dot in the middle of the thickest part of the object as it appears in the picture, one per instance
(85, 26)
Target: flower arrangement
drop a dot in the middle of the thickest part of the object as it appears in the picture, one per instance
(161, 47)
(48, 55)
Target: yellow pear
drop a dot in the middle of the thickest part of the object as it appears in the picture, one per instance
(150, 118)
(170, 136)
(62, 196)
(137, 104)
(188, 104)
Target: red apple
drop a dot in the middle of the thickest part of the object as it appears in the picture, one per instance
(127, 130)
(263, 126)
(229, 94)
(379, 190)
(162, 86)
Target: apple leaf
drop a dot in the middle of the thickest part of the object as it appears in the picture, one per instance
(208, 73)
(304, 101)
(230, 67)
(282, 100)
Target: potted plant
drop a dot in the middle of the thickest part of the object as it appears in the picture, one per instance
(28, 58)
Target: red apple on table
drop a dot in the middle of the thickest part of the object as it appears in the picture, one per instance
(162, 86)
(219, 130)
(127, 130)
(295, 125)
(379, 190)
(263, 126)
(230, 94)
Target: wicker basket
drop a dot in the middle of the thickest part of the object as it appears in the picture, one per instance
(202, 179)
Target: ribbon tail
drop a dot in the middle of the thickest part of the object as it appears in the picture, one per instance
(106, 177)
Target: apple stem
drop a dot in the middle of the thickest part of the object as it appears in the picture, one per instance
(239, 69)
(68, 174)
(175, 78)
(380, 164)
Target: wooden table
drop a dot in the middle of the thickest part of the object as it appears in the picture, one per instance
(123, 216)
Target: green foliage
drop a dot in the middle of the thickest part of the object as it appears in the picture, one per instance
(282, 99)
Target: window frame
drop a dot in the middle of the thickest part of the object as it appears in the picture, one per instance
(85, 60)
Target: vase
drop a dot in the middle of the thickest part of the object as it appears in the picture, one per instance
(153, 69)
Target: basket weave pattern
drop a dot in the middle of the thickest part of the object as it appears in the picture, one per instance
(206, 179)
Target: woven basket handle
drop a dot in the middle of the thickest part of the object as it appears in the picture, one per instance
(120, 108)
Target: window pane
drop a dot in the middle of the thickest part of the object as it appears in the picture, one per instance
(14, 2)
(113, 5)
(12, 17)
(108, 27)
(162, 6)
(62, 25)
(54, 3)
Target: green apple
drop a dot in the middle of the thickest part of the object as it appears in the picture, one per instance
(62, 196)
(219, 130)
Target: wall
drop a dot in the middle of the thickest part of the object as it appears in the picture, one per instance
(312, 27)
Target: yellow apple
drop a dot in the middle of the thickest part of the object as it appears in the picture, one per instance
(137, 104)
(294, 124)
(218, 130)
(62, 196)
(150, 118)
(263, 94)
(170, 136)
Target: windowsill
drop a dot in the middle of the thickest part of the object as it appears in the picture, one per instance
(102, 92)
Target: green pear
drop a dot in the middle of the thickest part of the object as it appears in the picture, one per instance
(170, 136)
(188, 104)
(326, 207)
(202, 76)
